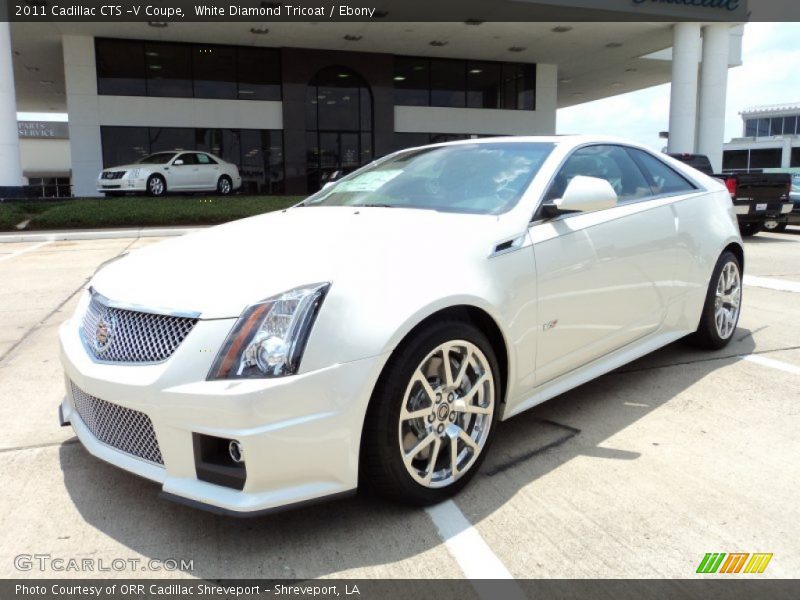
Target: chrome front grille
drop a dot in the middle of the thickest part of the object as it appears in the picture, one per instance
(113, 174)
(122, 428)
(120, 335)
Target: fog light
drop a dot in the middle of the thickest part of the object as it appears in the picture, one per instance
(236, 452)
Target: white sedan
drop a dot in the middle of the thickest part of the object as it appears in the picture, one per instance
(377, 332)
(173, 171)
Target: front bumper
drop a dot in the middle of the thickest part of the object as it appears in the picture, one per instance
(121, 185)
(300, 434)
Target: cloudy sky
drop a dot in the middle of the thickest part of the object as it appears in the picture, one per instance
(770, 53)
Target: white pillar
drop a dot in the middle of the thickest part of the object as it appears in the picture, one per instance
(80, 77)
(10, 166)
(713, 91)
(683, 91)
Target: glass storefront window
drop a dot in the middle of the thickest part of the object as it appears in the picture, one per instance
(448, 83)
(751, 127)
(735, 160)
(484, 84)
(411, 81)
(120, 68)
(214, 72)
(457, 83)
(768, 158)
(258, 153)
(338, 124)
(169, 70)
(124, 145)
(259, 74)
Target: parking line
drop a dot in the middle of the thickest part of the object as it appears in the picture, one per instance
(25, 250)
(770, 283)
(772, 363)
(465, 544)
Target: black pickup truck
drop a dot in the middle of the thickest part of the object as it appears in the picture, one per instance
(758, 198)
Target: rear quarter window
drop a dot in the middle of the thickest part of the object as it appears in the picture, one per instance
(663, 178)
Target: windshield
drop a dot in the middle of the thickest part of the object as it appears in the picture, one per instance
(470, 178)
(157, 159)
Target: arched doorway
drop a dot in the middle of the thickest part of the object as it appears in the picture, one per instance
(338, 124)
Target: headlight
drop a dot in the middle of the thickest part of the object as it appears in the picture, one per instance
(269, 338)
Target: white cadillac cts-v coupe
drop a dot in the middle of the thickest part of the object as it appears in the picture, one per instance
(173, 171)
(377, 332)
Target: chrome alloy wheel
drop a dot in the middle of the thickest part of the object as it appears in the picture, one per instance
(447, 412)
(156, 186)
(728, 299)
(224, 186)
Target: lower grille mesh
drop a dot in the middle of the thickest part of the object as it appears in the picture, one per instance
(122, 428)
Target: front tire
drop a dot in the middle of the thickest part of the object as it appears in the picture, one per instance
(224, 186)
(432, 415)
(156, 186)
(722, 306)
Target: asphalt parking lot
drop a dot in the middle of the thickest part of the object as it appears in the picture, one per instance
(637, 474)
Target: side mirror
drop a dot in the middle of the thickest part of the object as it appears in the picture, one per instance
(178, 162)
(587, 194)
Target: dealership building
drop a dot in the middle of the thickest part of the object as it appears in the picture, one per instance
(770, 140)
(290, 103)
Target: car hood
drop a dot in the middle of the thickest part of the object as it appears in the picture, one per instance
(220, 271)
(128, 167)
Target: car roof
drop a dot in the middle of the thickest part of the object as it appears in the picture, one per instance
(570, 140)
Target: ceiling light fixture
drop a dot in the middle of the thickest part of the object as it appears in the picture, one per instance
(46, 82)
(613, 45)
(631, 70)
(158, 24)
(353, 38)
(399, 78)
(561, 29)
(437, 43)
(475, 71)
(517, 49)
(259, 30)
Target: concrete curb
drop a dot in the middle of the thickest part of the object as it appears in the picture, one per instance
(96, 234)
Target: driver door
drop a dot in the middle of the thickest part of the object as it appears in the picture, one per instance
(603, 277)
(183, 173)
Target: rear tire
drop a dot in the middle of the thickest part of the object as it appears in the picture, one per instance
(748, 229)
(722, 306)
(224, 186)
(424, 440)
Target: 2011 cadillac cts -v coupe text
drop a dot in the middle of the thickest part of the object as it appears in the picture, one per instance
(174, 171)
(376, 333)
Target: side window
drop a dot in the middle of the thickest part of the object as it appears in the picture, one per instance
(611, 163)
(663, 178)
(188, 158)
(205, 159)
